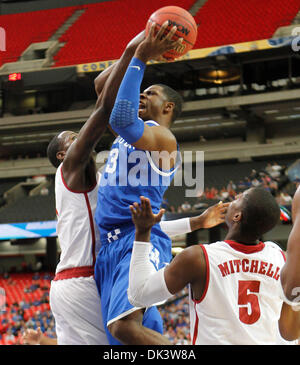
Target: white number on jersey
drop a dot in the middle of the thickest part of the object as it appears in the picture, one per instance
(247, 296)
(112, 161)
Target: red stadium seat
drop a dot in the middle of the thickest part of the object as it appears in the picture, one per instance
(15, 293)
(22, 29)
(223, 22)
(103, 31)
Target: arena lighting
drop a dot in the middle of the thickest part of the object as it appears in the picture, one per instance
(15, 76)
(219, 76)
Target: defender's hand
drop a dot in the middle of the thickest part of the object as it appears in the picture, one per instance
(214, 215)
(136, 41)
(211, 217)
(143, 217)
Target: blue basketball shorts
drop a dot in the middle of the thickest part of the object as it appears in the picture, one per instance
(112, 275)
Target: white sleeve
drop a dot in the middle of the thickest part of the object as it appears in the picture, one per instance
(146, 285)
(176, 227)
(295, 304)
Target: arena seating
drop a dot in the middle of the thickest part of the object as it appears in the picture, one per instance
(219, 175)
(19, 287)
(100, 34)
(223, 22)
(30, 208)
(15, 289)
(5, 185)
(220, 23)
(22, 29)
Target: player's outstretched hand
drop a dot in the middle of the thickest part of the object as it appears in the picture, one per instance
(155, 45)
(214, 215)
(32, 337)
(143, 217)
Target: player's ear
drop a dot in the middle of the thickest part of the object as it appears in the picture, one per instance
(237, 217)
(60, 155)
(169, 106)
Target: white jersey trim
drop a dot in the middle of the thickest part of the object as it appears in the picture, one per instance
(196, 301)
(124, 314)
(151, 162)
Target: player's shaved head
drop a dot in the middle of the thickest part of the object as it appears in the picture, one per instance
(55, 146)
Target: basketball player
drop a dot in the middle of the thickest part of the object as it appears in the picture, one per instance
(211, 217)
(74, 297)
(290, 273)
(142, 123)
(234, 285)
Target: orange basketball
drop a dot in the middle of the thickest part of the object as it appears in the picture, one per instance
(186, 28)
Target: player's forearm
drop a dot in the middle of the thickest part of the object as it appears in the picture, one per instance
(290, 281)
(290, 273)
(112, 85)
(177, 226)
(91, 133)
(146, 285)
(120, 66)
(101, 79)
(197, 222)
(289, 323)
(183, 225)
(124, 117)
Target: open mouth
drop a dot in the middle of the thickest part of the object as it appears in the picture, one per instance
(142, 106)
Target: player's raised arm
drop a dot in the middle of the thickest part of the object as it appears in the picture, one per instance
(117, 70)
(289, 323)
(101, 79)
(211, 217)
(290, 273)
(107, 87)
(148, 286)
(124, 119)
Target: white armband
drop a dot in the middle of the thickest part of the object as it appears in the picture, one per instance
(176, 227)
(295, 304)
(146, 285)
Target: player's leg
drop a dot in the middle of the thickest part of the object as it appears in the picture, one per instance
(75, 306)
(103, 278)
(127, 324)
(130, 330)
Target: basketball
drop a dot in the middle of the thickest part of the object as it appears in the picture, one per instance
(186, 28)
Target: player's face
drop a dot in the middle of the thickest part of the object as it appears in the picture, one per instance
(152, 103)
(67, 138)
(235, 208)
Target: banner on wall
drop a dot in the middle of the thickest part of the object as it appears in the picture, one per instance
(258, 45)
(28, 230)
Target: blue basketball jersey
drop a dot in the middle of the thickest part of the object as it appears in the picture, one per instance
(128, 174)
